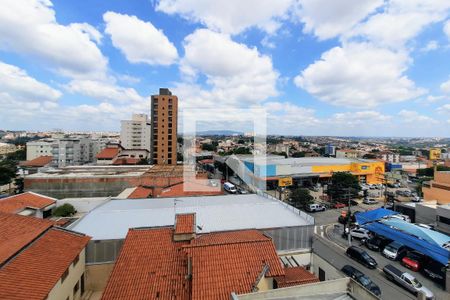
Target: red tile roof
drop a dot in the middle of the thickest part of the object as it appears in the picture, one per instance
(140, 192)
(296, 276)
(38, 161)
(126, 161)
(220, 268)
(17, 231)
(33, 273)
(150, 266)
(19, 202)
(185, 223)
(108, 153)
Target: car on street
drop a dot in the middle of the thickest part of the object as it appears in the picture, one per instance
(395, 251)
(361, 256)
(370, 201)
(360, 233)
(314, 207)
(362, 279)
(339, 205)
(377, 243)
(414, 260)
(229, 187)
(407, 281)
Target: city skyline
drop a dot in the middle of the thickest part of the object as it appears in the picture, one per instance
(353, 68)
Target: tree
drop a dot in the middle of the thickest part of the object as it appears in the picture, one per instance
(342, 184)
(369, 156)
(301, 197)
(298, 154)
(7, 174)
(208, 147)
(65, 210)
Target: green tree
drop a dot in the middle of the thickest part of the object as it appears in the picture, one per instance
(242, 150)
(208, 147)
(298, 154)
(342, 184)
(65, 210)
(301, 197)
(7, 174)
(369, 156)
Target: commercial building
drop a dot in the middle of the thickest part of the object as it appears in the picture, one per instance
(347, 153)
(330, 150)
(164, 115)
(40, 261)
(136, 133)
(28, 204)
(438, 189)
(307, 170)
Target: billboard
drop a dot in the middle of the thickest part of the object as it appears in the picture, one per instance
(435, 153)
(286, 181)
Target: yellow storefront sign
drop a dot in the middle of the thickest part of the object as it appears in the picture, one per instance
(435, 154)
(286, 181)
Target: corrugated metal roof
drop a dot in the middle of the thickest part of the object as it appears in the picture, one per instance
(214, 213)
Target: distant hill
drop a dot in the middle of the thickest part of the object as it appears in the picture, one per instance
(219, 132)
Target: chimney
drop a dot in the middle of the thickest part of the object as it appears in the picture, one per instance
(185, 226)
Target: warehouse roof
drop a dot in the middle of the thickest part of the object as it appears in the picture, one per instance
(213, 213)
(307, 161)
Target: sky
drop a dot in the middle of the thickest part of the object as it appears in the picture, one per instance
(305, 67)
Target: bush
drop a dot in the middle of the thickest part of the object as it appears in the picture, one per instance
(65, 210)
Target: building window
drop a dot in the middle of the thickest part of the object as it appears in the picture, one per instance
(444, 220)
(169, 161)
(76, 288)
(75, 261)
(64, 275)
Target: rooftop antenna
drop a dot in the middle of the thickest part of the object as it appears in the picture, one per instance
(175, 200)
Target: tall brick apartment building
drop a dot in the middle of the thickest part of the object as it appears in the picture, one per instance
(164, 114)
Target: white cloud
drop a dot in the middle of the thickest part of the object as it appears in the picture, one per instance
(236, 73)
(444, 109)
(430, 46)
(139, 41)
(400, 21)
(327, 19)
(447, 28)
(104, 91)
(359, 75)
(29, 27)
(359, 118)
(445, 87)
(432, 99)
(21, 87)
(410, 116)
(229, 16)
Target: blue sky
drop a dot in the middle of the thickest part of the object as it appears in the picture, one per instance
(318, 67)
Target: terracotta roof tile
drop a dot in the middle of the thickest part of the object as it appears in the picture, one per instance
(296, 276)
(19, 202)
(184, 223)
(140, 192)
(108, 153)
(38, 161)
(17, 231)
(126, 161)
(221, 268)
(34, 272)
(150, 265)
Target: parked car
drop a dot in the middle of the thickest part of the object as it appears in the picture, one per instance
(339, 205)
(315, 207)
(361, 256)
(370, 201)
(361, 278)
(229, 187)
(360, 233)
(435, 271)
(414, 260)
(407, 281)
(377, 243)
(395, 251)
(242, 191)
(416, 199)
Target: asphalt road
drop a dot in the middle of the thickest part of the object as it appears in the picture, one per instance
(389, 290)
(336, 256)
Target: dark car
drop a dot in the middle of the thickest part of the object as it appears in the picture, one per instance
(414, 260)
(361, 278)
(361, 256)
(434, 270)
(377, 243)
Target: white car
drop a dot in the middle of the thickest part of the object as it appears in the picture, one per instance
(360, 233)
(370, 201)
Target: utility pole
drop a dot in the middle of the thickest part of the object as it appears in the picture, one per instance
(349, 237)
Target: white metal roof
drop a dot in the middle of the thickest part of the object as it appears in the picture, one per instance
(214, 213)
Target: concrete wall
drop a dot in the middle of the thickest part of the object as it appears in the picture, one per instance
(443, 212)
(425, 214)
(331, 272)
(64, 290)
(97, 276)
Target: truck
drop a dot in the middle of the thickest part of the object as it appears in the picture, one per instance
(407, 281)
